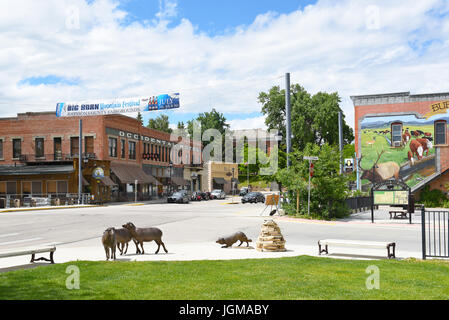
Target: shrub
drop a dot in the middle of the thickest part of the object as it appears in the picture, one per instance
(432, 198)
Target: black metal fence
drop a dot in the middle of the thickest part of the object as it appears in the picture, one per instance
(435, 234)
(359, 204)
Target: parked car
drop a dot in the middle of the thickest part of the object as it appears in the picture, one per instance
(196, 196)
(253, 197)
(218, 194)
(178, 197)
(244, 191)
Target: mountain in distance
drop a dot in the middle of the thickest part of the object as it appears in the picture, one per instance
(383, 124)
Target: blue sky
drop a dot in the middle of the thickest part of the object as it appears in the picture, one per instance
(213, 17)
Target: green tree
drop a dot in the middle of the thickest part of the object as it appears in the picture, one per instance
(140, 118)
(160, 123)
(328, 187)
(209, 120)
(314, 119)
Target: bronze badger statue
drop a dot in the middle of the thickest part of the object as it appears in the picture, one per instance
(230, 240)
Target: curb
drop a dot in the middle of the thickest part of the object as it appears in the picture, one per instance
(53, 208)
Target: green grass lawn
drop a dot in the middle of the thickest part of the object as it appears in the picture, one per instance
(286, 278)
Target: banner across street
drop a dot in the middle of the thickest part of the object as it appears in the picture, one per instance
(117, 106)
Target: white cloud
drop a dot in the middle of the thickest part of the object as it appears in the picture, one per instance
(167, 9)
(344, 46)
(248, 123)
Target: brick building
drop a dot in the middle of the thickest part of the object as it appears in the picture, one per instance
(39, 154)
(405, 136)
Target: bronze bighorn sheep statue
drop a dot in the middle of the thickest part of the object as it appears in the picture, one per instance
(142, 235)
(109, 243)
(124, 236)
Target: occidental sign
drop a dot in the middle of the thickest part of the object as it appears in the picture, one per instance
(132, 105)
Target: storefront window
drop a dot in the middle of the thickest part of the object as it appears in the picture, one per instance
(11, 187)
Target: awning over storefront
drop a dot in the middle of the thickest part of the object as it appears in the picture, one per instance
(35, 170)
(107, 181)
(128, 173)
(219, 180)
(179, 181)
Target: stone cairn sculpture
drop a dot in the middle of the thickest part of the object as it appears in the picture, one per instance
(270, 238)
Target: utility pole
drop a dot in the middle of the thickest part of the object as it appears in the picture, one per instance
(80, 157)
(288, 117)
(340, 136)
(357, 168)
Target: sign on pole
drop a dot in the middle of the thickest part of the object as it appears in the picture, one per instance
(310, 171)
(349, 165)
(117, 106)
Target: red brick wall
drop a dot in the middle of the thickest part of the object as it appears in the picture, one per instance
(29, 125)
(46, 125)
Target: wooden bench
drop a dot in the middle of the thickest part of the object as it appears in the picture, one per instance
(398, 214)
(32, 252)
(390, 246)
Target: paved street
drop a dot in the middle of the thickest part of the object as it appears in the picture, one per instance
(190, 231)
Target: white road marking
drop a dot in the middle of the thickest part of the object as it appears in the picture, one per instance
(18, 241)
(8, 235)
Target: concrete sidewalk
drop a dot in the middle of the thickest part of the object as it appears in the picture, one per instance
(92, 250)
(140, 203)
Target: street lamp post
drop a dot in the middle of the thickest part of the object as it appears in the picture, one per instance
(278, 138)
(233, 184)
(170, 186)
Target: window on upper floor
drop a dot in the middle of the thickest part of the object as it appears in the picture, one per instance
(132, 150)
(123, 150)
(396, 135)
(16, 148)
(440, 132)
(113, 147)
(39, 147)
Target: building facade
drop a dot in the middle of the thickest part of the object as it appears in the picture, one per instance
(220, 175)
(404, 136)
(39, 155)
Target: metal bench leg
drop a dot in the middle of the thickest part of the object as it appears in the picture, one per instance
(33, 258)
(320, 251)
(392, 255)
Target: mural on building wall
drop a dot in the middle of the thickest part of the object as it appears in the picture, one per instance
(399, 147)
